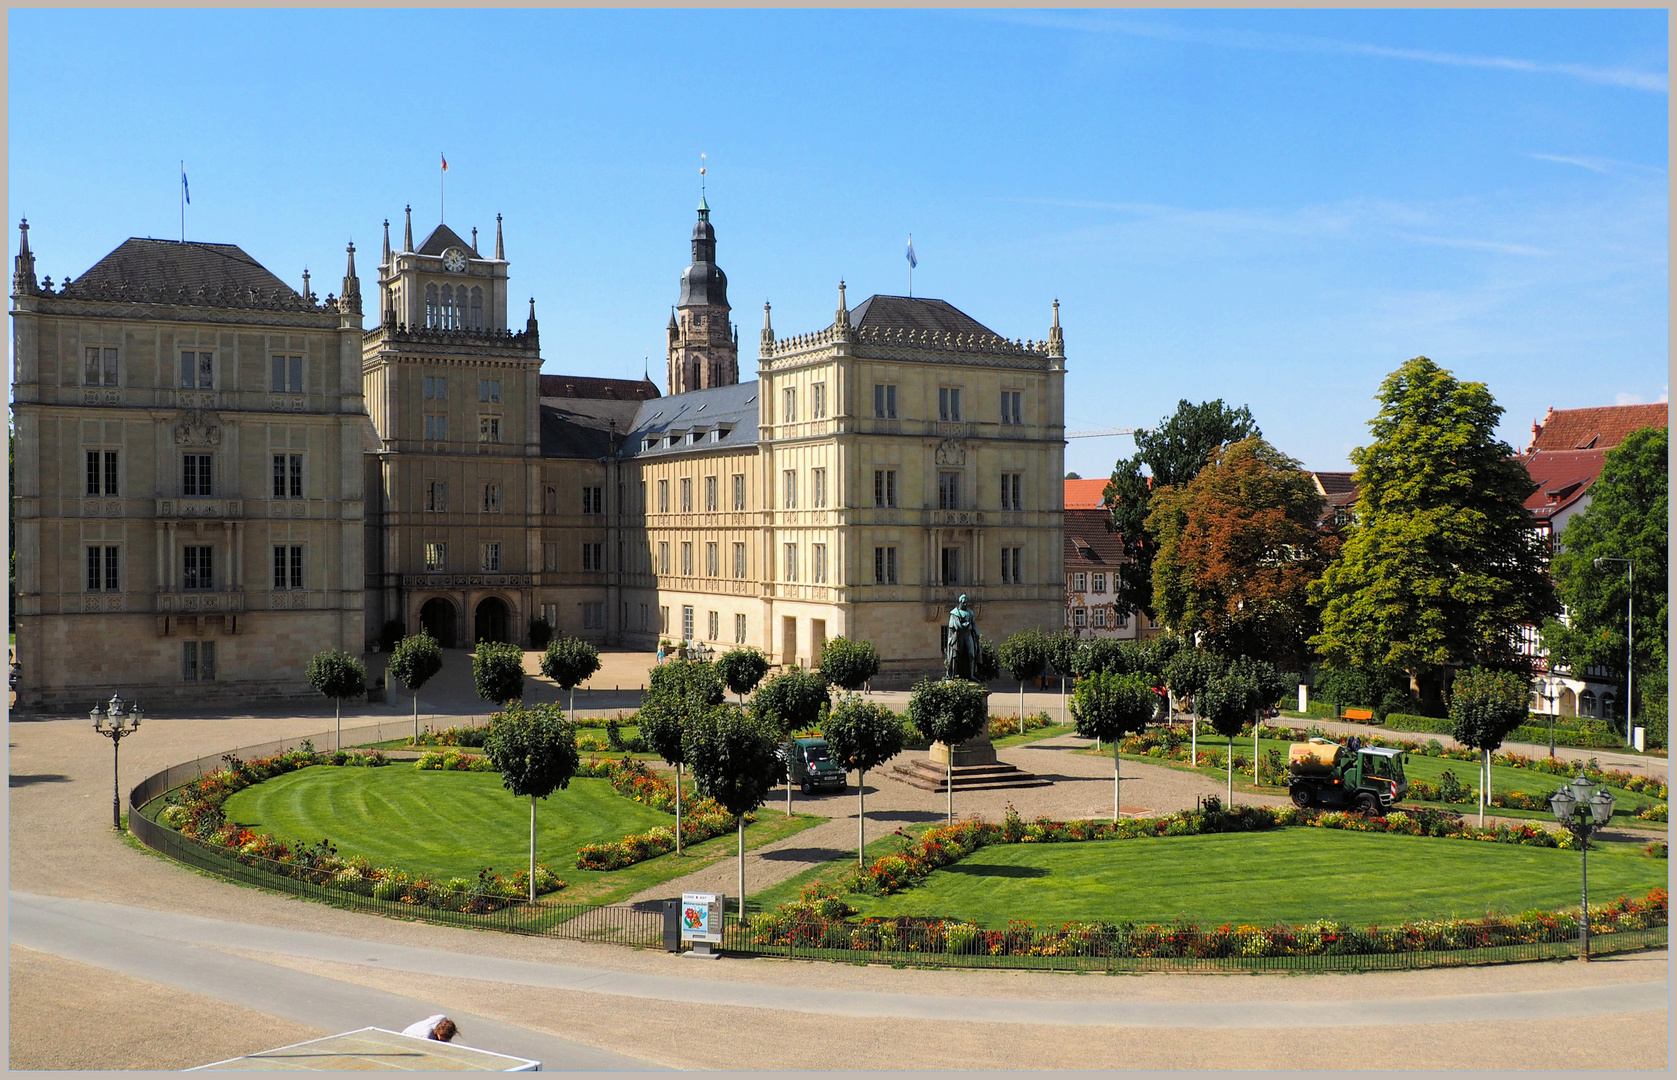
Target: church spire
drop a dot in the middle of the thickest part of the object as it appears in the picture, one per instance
(407, 230)
(500, 248)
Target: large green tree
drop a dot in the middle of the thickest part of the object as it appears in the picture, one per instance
(677, 693)
(535, 752)
(1238, 546)
(734, 758)
(1173, 454)
(1438, 570)
(1626, 519)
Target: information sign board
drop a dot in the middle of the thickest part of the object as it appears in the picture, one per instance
(701, 917)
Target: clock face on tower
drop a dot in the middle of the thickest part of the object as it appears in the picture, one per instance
(454, 260)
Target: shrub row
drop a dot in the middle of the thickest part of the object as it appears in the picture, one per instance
(701, 818)
(1009, 725)
(453, 761)
(821, 920)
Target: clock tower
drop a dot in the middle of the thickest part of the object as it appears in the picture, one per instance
(703, 344)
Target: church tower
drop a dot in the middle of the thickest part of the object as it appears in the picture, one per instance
(704, 346)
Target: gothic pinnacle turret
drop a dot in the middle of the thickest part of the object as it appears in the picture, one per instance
(767, 342)
(385, 262)
(407, 230)
(500, 248)
(23, 267)
(349, 297)
(1056, 340)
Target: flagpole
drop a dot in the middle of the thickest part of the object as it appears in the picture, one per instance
(183, 200)
(441, 206)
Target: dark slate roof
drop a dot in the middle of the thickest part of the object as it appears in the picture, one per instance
(587, 386)
(915, 313)
(583, 428)
(146, 266)
(441, 239)
(1090, 545)
(703, 284)
(733, 408)
(1600, 428)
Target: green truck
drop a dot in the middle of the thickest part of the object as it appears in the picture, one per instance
(1368, 780)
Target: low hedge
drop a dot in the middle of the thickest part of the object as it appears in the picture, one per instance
(701, 818)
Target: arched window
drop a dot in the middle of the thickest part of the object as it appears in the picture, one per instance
(1586, 703)
(449, 320)
(433, 316)
(1609, 707)
(477, 308)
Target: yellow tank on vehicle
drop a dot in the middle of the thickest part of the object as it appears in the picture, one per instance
(1318, 757)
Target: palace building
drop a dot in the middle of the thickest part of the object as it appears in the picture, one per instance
(207, 494)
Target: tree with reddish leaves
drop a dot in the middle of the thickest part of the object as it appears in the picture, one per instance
(1237, 549)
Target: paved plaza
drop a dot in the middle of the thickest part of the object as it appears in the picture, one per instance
(183, 969)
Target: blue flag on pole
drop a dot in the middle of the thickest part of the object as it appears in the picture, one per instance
(185, 190)
(912, 261)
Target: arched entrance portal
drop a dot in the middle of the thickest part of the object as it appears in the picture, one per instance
(438, 618)
(493, 620)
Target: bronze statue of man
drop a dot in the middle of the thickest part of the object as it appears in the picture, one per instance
(960, 650)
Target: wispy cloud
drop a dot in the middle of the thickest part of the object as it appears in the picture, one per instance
(1630, 78)
(1605, 166)
(1622, 398)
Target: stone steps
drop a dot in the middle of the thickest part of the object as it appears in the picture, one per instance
(931, 776)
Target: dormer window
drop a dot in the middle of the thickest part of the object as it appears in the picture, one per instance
(692, 438)
(717, 434)
(648, 444)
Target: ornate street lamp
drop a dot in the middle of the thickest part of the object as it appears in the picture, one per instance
(1583, 811)
(1630, 628)
(115, 724)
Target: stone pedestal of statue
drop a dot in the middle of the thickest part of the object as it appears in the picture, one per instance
(975, 766)
(975, 751)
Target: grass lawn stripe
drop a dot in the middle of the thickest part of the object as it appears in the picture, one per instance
(1295, 875)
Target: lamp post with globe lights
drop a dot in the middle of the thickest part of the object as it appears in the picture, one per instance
(1630, 612)
(1583, 812)
(115, 723)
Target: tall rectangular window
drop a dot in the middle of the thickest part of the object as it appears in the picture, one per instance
(436, 427)
(1012, 491)
(436, 558)
(593, 558)
(436, 495)
(791, 478)
(951, 566)
(1080, 617)
(1097, 583)
(197, 567)
(711, 505)
(686, 559)
(739, 560)
(1080, 582)
(593, 615)
(818, 488)
(492, 498)
(288, 476)
(739, 491)
(195, 476)
(101, 367)
(713, 560)
(102, 569)
(663, 619)
(818, 401)
(286, 375)
(884, 566)
(885, 487)
(489, 390)
(739, 629)
(949, 403)
(103, 472)
(1012, 407)
(663, 496)
(1099, 618)
(436, 388)
(687, 622)
(593, 500)
(714, 626)
(789, 405)
(1013, 563)
(645, 624)
(663, 557)
(490, 557)
(550, 560)
(687, 494)
(884, 401)
(198, 661)
(489, 429)
(197, 371)
(818, 563)
(288, 566)
(789, 561)
(949, 491)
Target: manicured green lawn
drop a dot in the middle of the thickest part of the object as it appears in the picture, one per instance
(448, 824)
(1034, 735)
(1292, 875)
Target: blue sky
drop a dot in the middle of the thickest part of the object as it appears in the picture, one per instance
(1274, 208)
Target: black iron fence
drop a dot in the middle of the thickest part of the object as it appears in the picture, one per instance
(916, 942)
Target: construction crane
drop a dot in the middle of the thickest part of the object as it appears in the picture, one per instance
(1101, 433)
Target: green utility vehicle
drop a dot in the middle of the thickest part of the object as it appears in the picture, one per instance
(1368, 780)
(813, 768)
